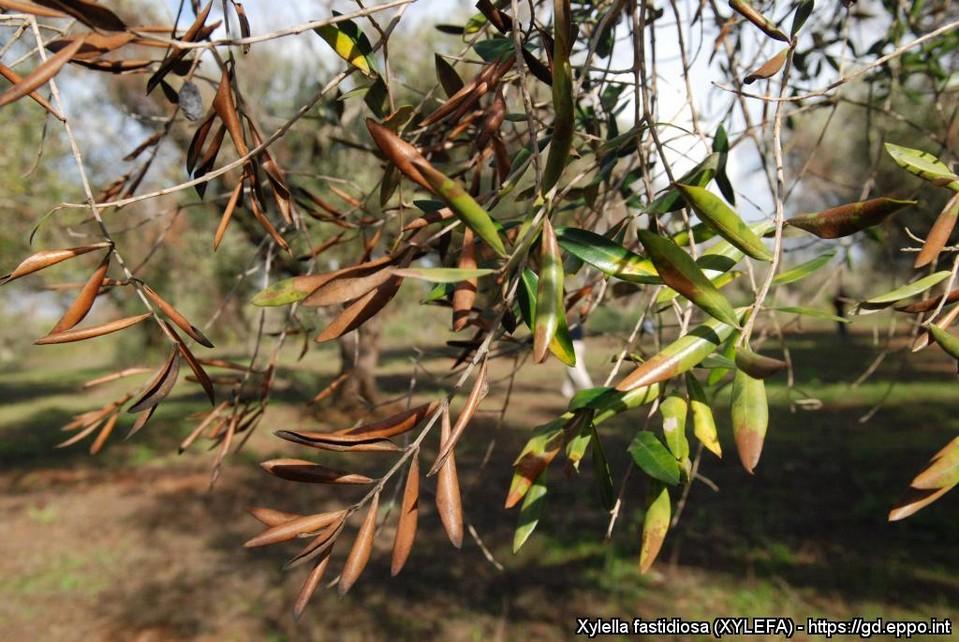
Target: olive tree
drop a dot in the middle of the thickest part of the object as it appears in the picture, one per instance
(568, 158)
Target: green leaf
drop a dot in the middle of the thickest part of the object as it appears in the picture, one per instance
(701, 234)
(715, 361)
(655, 525)
(673, 409)
(494, 49)
(721, 146)
(704, 424)
(924, 165)
(549, 293)
(288, 291)
(375, 96)
(562, 344)
(942, 471)
(679, 356)
(757, 365)
(948, 342)
(580, 428)
(728, 354)
(905, 291)
(536, 456)
(720, 281)
(589, 397)
(803, 270)
(463, 205)
(474, 24)
(601, 472)
(446, 74)
(725, 221)
(750, 417)
(443, 275)
(606, 256)
(530, 512)
(614, 402)
(350, 43)
(680, 272)
(700, 175)
(653, 459)
(441, 292)
(715, 262)
(561, 141)
(810, 312)
(803, 11)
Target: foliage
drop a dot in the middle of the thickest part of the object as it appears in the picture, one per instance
(520, 195)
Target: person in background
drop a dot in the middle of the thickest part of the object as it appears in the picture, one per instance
(577, 377)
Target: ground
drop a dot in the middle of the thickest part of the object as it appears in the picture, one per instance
(132, 546)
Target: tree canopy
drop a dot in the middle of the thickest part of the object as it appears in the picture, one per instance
(703, 168)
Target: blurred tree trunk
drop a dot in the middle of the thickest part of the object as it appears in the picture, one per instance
(359, 356)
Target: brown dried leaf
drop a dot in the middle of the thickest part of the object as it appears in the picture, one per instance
(197, 143)
(398, 151)
(939, 233)
(101, 439)
(331, 388)
(324, 441)
(227, 215)
(177, 54)
(225, 108)
(15, 78)
(345, 289)
(201, 376)
(471, 92)
(80, 334)
(316, 575)
(113, 376)
(428, 219)
(448, 502)
(140, 422)
(160, 386)
(464, 292)
(265, 223)
(406, 523)
(176, 317)
(495, 116)
(80, 435)
(361, 310)
(244, 25)
(942, 323)
(84, 301)
(213, 414)
(90, 13)
(477, 394)
(390, 426)
(46, 258)
(272, 517)
(319, 545)
(914, 500)
(296, 527)
(114, 66)
(929, 304)
(16, 6)
(94, 44)
(362, 548)
(39, 76)
(769, 69)
(300, 470)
